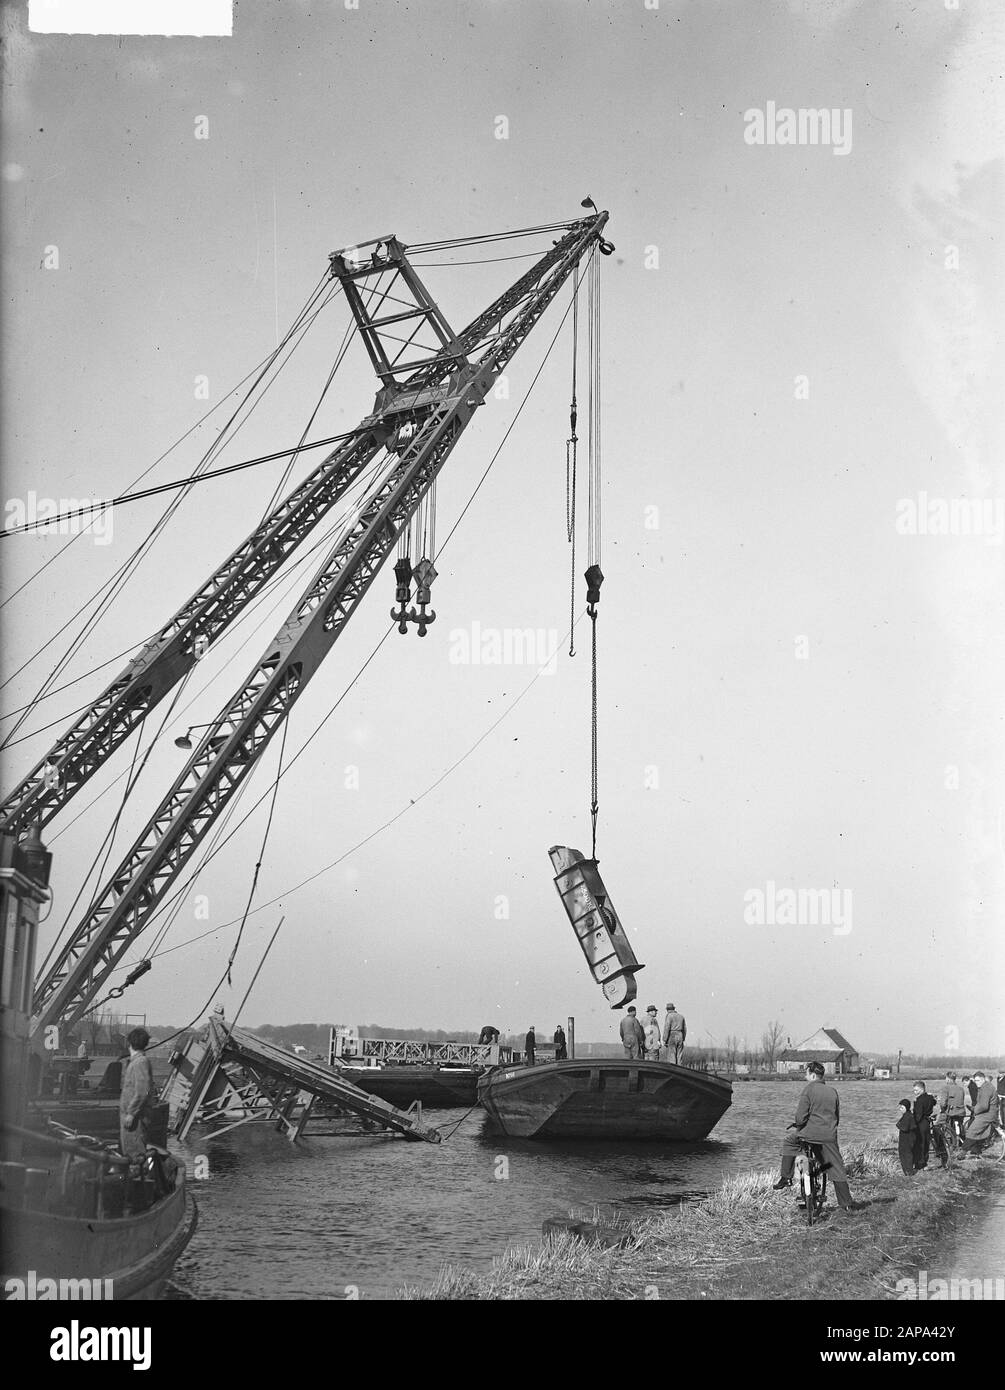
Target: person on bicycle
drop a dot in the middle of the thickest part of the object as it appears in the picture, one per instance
(985, 1113)
(949, 1099)
(818, 1112)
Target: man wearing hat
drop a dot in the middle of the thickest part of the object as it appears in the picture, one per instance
(950, 1115)
(632, 1034)
(674, 1033)
(653, 1035)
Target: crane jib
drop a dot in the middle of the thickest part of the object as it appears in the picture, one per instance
(439, 396)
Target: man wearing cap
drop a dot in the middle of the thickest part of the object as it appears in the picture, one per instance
(674, 1033)
(818, 1111)
(950, 1117)
(632, 1034)
(985, 1113)
(654, 1037)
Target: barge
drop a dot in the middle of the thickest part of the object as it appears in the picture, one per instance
(604, 1098)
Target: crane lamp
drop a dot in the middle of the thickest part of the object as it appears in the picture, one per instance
(33, 858)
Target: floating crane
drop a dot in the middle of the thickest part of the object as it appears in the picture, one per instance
(421, 410)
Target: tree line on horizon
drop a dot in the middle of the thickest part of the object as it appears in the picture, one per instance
(733, 1051)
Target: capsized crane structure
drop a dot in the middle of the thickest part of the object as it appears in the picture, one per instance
(423, 405)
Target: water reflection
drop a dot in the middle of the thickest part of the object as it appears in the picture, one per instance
(372, 1212)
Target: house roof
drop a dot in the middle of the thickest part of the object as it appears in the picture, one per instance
(791, 1054)
(838, 1040)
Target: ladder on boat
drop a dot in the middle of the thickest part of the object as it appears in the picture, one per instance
(232, 1076)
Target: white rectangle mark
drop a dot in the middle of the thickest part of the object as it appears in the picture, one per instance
(167, 18)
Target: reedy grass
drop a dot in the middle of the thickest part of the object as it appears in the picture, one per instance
(744, 1235)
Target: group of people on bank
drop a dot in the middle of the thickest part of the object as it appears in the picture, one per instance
(649, 1040)
(971, 1107)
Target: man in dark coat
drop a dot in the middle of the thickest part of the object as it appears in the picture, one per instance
(632, 1034)
(818, 1112)
(529, 1047)
(969, 1096)
(922, 1109)
(561, 1052)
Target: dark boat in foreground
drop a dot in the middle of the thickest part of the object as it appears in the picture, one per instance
(604, 1098)
(78, 1219)
(86, 1228)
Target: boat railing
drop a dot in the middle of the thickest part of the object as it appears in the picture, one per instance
(95, 1182)
(405, 1051)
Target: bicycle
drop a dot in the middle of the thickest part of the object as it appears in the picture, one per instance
(990, 1145)
(811, 1177)
(947, 1132)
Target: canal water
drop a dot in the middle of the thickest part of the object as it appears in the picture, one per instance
(341, 1217)
(972, 1254)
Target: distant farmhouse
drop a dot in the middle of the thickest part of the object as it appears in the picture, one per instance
(826, 1045)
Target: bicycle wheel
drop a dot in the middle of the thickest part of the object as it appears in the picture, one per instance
(953, 1142)
(810, 1195)
(945, 1144)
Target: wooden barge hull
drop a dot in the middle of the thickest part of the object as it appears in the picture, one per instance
(604, 1098)
(437, 1088)
(137, 1253)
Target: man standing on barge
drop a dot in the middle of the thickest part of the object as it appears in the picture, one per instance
(632, 1035)
(674, 1034)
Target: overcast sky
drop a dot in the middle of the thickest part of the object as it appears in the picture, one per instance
(798, 342)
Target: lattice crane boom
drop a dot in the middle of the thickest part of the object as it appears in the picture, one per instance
(438, 399)
(173, 651)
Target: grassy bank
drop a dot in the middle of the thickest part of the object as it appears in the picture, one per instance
(747, 1241)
